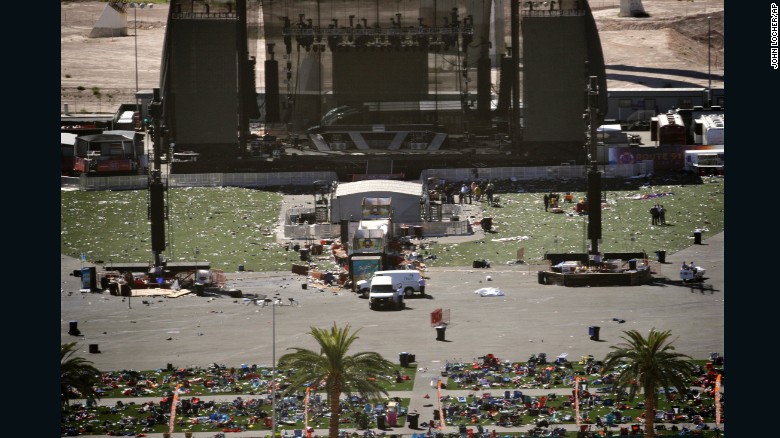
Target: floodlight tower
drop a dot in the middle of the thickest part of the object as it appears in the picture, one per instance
(594, 177)
(158, 209)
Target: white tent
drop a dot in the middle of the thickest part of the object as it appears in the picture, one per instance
(112, 22)
(347, 200)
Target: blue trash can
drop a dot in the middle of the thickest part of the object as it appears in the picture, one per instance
(593, 332)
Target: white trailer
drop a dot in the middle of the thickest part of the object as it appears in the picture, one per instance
(713, 129)
(704, 160)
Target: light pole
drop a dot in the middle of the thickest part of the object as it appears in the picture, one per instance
(135, 7)
(273, 302)
(709, 65)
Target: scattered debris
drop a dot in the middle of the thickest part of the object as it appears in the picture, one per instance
(489, 292)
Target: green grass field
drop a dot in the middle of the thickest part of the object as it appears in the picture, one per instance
(231, 226)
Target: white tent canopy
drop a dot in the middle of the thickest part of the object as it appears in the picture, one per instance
(348, 199)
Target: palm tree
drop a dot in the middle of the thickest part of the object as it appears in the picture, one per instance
(648, 364)
(340, 372)
(76, 373)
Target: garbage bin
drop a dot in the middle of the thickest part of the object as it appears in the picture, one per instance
(113, 288)
(413, 418)
(660, 256)
(304, 255)
(418, 231)
(593, 331)
(542, 277)
(412, 358)
(93, 348)
(697, 237)
(440, 329)
(73, 328)
(486, 223)
(199, 289)
(380, 422)
(632, 265)
(403, 358)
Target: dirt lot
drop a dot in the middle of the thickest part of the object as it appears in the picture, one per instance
(667, 49)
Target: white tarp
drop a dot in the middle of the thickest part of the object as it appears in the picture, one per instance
(489, 292)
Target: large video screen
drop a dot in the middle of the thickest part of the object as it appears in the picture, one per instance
(385, 75)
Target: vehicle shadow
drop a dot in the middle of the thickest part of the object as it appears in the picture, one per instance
(694, 286)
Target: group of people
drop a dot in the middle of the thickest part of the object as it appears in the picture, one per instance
(476, 192)
(658, 215)
(467, 193)
(686, 266)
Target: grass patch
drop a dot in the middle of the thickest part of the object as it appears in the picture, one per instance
(226, 226)
(231, 226)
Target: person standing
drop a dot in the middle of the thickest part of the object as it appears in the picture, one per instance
(662, 215)
(464, 192)
(654, 214)
(546, 201)
(489, 192)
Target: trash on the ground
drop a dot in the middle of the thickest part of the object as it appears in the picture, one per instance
(489, 292)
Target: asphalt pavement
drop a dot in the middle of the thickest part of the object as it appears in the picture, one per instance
(530, 318)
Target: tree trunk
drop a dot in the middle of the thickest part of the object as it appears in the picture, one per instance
(650, 414)
(335, 411)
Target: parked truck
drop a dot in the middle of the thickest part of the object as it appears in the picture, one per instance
(383, 294)
(408, 280)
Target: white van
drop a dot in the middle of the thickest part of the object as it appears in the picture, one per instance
(409, 280)
(383, 294)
